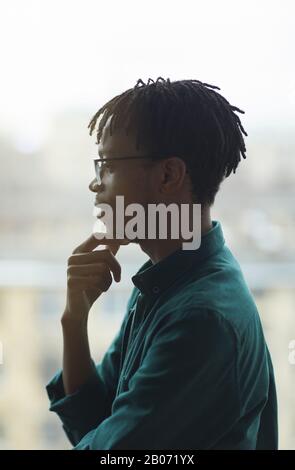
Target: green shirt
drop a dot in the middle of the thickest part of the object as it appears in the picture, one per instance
(189, 367)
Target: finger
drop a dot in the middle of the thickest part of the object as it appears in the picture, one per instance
(88, 245)
(87, 269)
(114, 248)
(101, 276)
(94, 240)
(79, 283)
(98, 257)
(114, 245)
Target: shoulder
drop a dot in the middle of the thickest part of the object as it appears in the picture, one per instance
(201, 328)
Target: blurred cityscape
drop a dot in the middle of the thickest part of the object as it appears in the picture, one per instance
(46, 210)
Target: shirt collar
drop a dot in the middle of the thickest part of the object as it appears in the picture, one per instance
(152, 279)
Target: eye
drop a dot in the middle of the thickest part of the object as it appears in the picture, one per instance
(109, 165)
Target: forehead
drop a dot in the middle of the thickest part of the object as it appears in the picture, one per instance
(118, 144)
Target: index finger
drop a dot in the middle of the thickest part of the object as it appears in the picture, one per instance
(96, 257)
(92, 242)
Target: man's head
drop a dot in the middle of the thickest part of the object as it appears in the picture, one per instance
(184, 139)
(188, 133)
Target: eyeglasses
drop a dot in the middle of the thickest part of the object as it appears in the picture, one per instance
(101, 164)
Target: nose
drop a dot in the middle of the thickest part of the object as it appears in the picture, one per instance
(94, 186)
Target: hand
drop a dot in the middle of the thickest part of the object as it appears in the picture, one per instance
(89, 274)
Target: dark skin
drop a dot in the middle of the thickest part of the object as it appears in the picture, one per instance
(91, 272)
(145, 182)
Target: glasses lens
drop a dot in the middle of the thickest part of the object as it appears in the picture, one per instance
(97, 166)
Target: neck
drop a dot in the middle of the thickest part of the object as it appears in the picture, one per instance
(159, 249)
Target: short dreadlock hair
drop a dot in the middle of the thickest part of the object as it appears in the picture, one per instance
(184, 118)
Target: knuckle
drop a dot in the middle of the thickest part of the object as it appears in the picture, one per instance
(105, 281)
(106, 286)
(71, 260)
(70, 270)
(102, 253)
(108, 280)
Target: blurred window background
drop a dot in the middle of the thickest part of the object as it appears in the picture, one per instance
(60, 62)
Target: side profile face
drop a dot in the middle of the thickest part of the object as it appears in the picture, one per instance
(142, 181)
(129, 178)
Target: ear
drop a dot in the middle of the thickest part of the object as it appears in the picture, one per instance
(173, 174)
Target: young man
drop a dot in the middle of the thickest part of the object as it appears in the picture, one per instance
(189, 367)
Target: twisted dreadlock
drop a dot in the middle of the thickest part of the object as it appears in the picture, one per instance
(184, 118)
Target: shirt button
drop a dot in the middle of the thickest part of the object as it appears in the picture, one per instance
(156, 290)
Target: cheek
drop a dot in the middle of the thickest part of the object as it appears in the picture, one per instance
(134, 187)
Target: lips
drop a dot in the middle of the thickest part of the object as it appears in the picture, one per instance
(97, 211)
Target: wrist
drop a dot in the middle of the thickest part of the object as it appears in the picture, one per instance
(70, 320)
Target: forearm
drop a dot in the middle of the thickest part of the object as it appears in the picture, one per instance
(77, 362)
(78, 393)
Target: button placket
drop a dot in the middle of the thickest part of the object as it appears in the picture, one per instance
(129, 342)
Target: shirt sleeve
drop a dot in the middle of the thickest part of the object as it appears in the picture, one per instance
(185, 392)
(88, 406)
